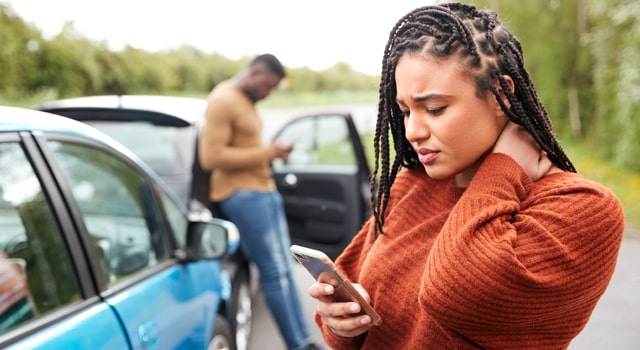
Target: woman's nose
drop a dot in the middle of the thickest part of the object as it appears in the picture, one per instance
(416, 128)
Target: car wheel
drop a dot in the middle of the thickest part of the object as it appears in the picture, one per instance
(222, 337)
(241, 310)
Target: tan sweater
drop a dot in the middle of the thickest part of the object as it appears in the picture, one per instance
(231, 145)
(505, 264)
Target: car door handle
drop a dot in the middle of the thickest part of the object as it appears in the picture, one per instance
(290, 180)
(148, 334)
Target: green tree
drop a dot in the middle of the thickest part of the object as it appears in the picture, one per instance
(583, 57)
(614, 41)
(68, 65)
(18, 53)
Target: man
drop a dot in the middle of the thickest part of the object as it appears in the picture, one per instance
(242, 186)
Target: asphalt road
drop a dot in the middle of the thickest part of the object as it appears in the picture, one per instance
(614, 324)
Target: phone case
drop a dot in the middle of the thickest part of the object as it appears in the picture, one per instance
(322, 268)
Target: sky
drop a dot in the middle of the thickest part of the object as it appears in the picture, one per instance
(314, 34)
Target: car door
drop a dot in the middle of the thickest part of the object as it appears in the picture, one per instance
(162, 303)
(47, 298)
(325, 181)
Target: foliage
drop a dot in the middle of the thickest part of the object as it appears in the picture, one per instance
(17, 59)
(615, 43)
(71, 65)
(582, 56)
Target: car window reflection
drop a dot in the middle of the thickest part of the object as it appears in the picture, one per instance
(36, 274)
(117, 208)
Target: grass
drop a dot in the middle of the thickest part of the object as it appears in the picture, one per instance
(28, 102)
(281, 99)
(278, 99)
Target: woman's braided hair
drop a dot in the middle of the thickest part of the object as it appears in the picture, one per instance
(488, 50)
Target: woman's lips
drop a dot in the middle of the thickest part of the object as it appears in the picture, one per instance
(426, 156)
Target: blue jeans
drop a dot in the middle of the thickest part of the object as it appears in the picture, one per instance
(264, 239)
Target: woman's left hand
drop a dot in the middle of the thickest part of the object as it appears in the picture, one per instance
(517, 143)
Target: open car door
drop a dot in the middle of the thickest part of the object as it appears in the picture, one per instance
(325, 182)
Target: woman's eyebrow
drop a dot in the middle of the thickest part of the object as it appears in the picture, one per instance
(425, 98)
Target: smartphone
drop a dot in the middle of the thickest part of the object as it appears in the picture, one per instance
(324, 270)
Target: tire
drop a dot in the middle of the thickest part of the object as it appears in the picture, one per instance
(222, 338)
(241, 310)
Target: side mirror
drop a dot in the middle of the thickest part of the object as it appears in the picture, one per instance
(211, 239)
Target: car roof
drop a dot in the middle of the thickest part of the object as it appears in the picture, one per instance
(14, 119)
(22, 119)
(176, 110)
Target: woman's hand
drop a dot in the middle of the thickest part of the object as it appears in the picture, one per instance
(342, 318)
(517, 143)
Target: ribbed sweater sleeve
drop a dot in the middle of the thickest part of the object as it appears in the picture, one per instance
(517, 267)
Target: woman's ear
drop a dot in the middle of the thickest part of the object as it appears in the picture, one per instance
(510, 82)
(511, 85)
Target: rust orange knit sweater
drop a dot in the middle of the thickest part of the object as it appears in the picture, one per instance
(505, 264)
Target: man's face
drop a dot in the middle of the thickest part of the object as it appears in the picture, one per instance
(263, 82)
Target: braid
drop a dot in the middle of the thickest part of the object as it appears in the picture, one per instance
(489, 50)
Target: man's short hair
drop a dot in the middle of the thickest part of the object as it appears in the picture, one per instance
(271, 62)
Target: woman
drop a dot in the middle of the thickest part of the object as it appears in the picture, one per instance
(483, 235)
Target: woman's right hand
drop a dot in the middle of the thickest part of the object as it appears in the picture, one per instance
(342, 318)
(517, 143)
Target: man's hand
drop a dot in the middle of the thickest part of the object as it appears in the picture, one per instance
(282, 150)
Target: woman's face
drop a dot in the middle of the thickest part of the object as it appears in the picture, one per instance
(448, 125)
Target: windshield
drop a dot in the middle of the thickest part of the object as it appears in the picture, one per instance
(168, 150)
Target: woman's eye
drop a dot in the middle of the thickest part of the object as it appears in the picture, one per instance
(436, 111)
(405, 114)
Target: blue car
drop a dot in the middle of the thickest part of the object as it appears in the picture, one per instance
(96, 252)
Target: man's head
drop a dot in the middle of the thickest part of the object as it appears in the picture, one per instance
(264, 74)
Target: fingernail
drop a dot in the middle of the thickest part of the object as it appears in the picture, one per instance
(365, 320)
(328, 289)
(354, 307)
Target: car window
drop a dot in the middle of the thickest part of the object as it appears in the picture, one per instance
(176, 218)
(36, 271)
(318, 142)
(117, 207)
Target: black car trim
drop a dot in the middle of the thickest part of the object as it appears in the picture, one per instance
(123, 114)
(41, 158)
